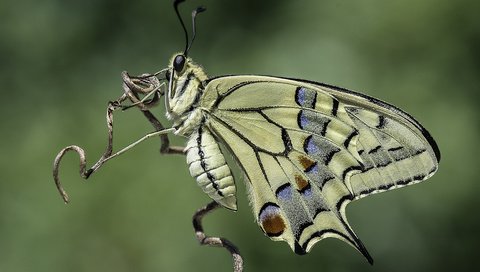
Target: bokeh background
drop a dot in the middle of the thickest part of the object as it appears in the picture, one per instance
(60, 62)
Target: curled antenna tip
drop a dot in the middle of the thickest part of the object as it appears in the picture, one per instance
(200, 9)
(197, 11)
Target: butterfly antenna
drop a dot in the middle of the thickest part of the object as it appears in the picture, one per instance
(175, 6)
(194, 32)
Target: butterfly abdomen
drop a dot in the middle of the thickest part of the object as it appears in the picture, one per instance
(208, 166)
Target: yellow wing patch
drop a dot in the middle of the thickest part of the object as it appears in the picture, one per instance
(308, 150)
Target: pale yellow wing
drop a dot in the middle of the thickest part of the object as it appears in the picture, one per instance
(307, 150)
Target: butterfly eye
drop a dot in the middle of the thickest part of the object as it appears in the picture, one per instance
(179, 63)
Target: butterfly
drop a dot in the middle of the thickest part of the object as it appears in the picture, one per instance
(306, 149)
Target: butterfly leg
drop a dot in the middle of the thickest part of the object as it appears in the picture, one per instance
(165, 147)
(215, 241)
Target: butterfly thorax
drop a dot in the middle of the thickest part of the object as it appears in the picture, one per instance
(184, 94)
(186, 107)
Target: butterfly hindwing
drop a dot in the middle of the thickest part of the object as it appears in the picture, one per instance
(294, 198)
(308, 150)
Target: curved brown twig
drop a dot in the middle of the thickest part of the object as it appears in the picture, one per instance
(83, 161)
(133, 87)
(143, 85)
(56, 164)
(215, 241)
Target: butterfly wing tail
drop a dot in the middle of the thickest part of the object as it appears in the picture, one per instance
(331, 223)
(309, 207)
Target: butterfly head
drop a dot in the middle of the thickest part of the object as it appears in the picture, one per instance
(185, 85)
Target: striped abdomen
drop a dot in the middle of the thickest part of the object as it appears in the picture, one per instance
(207, 165)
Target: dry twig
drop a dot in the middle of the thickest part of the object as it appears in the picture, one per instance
(145, 85)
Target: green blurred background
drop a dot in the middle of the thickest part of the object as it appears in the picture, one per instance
(60, 62)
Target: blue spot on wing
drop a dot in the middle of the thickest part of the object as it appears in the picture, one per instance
(284, 192)
(305, 98)
(310, 146)
(312, 121)
(307, 192)
(303, 120)
(313, 170)
(300, 96)
(320, 149)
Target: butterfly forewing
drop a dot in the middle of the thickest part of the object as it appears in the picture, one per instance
(308, 149)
